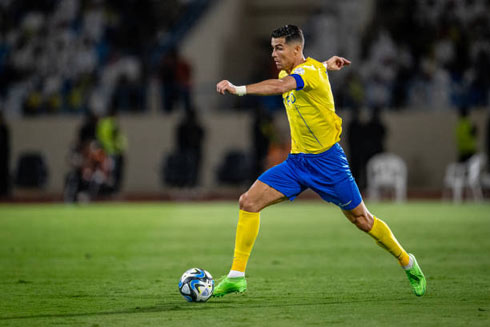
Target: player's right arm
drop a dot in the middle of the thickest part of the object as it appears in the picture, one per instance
(267, 87)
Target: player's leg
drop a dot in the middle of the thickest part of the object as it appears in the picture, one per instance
(273, 186)
(379, 230)
(332, 179)
(259, 196)
(365, 221)
(334, 182)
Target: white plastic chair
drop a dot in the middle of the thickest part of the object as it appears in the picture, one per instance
(454, 180)
(465, 176)
(474, 167)
(387, 171)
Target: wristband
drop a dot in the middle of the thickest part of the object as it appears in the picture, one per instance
(241, 90)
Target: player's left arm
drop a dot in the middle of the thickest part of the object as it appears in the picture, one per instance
(336, 63)
(267, 87)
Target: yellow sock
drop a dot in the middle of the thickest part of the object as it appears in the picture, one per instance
(385, 238)
(246, 233)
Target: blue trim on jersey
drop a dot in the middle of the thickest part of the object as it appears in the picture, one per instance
(326, 173)
(300, 84)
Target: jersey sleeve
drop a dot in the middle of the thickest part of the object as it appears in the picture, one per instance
(306, 77)
(282, 74)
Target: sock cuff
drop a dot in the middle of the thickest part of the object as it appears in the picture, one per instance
(409, 265)
(247, 214)
(235, 274)
(375, 225)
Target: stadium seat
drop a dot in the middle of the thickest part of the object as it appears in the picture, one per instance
(454, 181)
(475, 166)
(465, 176)
(235, 168)
(180, 170)
(485, 178)
(31, 170)
(387, 172)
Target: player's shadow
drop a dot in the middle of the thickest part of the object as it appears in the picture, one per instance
(157, 308)
(214, 305)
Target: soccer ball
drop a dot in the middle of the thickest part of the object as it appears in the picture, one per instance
(196, 285)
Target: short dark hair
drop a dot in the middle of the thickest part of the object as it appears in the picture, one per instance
(290, 32)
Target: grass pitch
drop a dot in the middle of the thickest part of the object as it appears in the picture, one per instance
(119, 265)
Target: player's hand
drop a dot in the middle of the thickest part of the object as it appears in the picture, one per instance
(225, 87)
(337, 63)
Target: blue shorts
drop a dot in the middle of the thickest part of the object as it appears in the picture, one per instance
(326, 173)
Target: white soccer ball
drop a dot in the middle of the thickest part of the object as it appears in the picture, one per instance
(196, 285)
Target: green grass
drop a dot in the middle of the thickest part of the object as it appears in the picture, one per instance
(119, 265)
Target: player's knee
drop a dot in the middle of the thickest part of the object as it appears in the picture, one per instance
(247, 204)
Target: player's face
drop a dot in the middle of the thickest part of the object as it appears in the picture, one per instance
(283, 53)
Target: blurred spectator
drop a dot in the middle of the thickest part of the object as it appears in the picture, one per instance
(118, 84)
(190, 137)
(403, 77)
(181, 168)
(4, 157)
(374, 135)
(487, 141)
(323, 44)
(365, 140)
(355, 140)
(76, 93)
(263, 136)
(351, 92)
(95, 167)
(128, 95)
(431, 87)
(168, 71)
(480, 78)
(90, 173)
(183, 78)
(90, 167)
(380, 70)
(176, 79)
(114, 144)
(87, 132)
(465, 136)
(33, 103)
(190, 133)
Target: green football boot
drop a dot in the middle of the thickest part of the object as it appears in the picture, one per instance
(416, 277)
(230, 285)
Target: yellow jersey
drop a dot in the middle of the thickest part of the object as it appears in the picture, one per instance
(310, 108)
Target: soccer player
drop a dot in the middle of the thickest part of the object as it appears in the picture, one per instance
(316, 161)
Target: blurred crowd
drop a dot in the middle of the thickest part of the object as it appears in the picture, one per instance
(96, 159)
(74, 56)
(431, 54)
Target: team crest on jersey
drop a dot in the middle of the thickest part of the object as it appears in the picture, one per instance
(299, 71)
